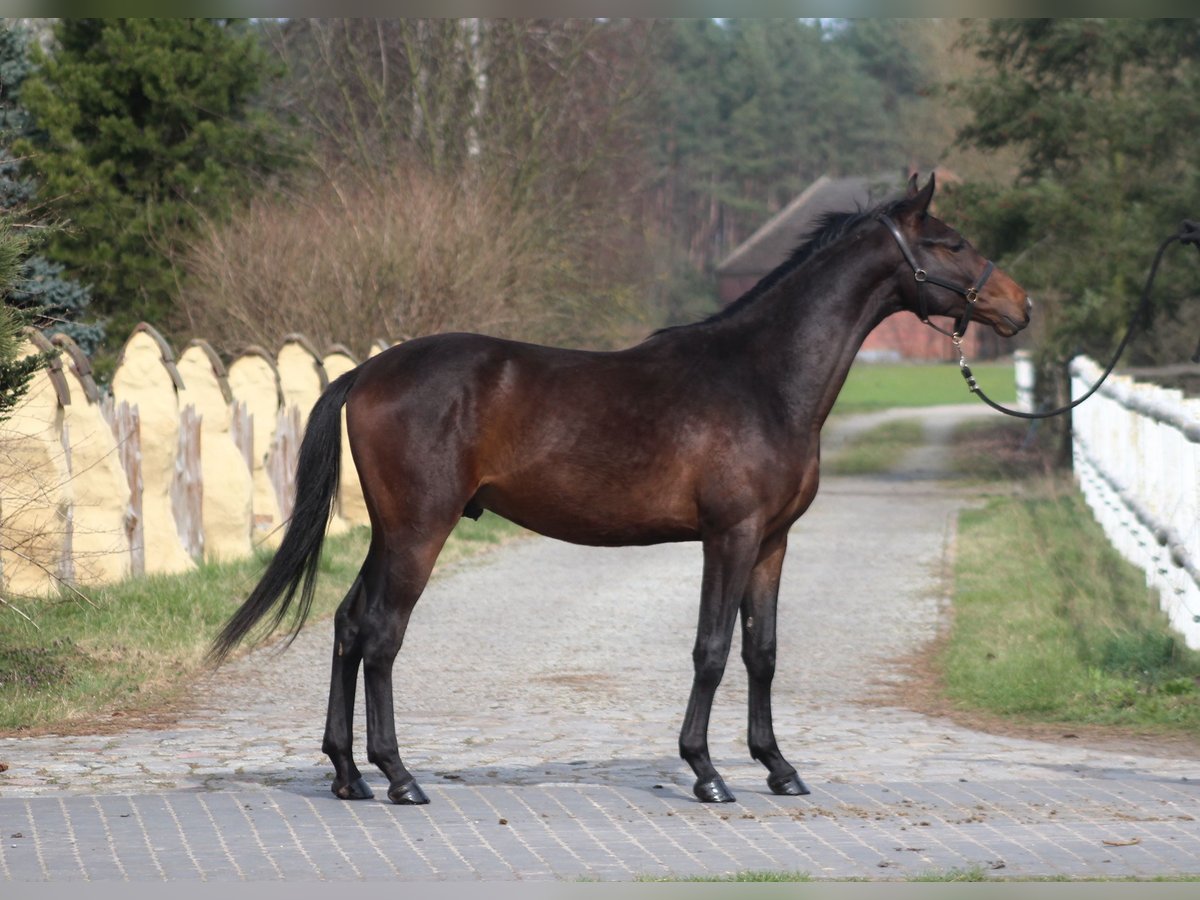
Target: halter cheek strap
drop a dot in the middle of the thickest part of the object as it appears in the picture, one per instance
(971, 294)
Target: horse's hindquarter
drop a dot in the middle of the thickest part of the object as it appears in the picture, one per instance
(596, 448)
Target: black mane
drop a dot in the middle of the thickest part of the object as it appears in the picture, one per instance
(829, 228)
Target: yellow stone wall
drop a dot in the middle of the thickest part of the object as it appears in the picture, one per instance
(66, 509)
(254, 382)
(143, 379)
(35, 490)
(227, 515)
(100, 540)
(302, 377)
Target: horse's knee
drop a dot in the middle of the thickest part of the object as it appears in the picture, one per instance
(708, 660)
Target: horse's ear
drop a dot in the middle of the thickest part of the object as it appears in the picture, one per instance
(918, 200)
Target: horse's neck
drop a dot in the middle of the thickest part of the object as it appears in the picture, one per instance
(814, 323)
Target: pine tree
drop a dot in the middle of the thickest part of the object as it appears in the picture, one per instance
(144, 127)
(1103, 116)
(745, 113)
(52, 301)
(14, 372)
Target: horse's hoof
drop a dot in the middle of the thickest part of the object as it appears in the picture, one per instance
(788, 785)
(355, 790)
(407, 794)
(713, 791)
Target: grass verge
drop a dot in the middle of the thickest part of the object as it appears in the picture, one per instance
(752, 875)
(129, 648)
(1050, 624)
(969, 874)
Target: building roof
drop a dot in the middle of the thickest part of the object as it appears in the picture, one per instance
(771, 244)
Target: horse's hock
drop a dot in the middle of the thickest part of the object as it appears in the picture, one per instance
(171, 468)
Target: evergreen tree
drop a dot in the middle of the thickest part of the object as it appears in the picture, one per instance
(14, 372)
(16, 188)
(1103, 114)
(54, 302)
(144, 127)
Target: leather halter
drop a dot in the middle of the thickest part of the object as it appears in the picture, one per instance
(922, 277)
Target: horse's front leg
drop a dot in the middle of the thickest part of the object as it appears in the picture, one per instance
(758, 653)
(728, 559)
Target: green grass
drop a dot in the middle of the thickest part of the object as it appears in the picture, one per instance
(131, 647)
(1051, 625)
(875, 450)
(969, 874)
(753, 875)
(872, 386)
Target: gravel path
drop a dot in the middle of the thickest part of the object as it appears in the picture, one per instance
(550, 667)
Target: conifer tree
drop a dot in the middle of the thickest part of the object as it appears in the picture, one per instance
(51, 300)
(14, 371)
(1101, 116)
(144, 127)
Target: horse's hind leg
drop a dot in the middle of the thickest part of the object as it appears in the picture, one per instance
(728, 559)
(393, 588)
(348, 783)
(758, 653)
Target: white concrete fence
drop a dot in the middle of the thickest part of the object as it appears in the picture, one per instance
(1137, 459)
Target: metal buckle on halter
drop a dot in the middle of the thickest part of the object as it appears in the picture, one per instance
(920, 275)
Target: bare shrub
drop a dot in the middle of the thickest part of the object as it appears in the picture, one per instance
(465, 174)
(407, 255)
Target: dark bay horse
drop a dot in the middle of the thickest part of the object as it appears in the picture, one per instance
(707, 432)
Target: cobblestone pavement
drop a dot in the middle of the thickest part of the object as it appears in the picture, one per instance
(539, 696)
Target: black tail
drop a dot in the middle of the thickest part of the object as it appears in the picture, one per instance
(295, 562)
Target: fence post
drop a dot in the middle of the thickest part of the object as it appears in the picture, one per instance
(187, 486)
(1026, 379)
(282, 459)
(127, 429)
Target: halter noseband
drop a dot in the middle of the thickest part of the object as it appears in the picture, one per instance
(921, 276)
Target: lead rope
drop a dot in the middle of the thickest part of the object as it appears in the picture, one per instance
(1189, 233)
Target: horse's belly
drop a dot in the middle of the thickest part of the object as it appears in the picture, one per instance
(606, 519)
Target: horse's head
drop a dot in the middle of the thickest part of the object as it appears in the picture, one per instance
(943, 275)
